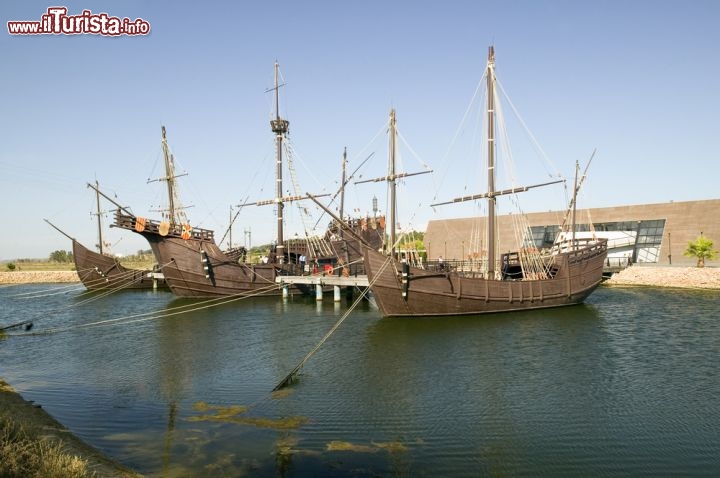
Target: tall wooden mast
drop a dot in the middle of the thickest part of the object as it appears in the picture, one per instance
(99, 221)
(175, 212)
(169, 177)
(391, 178)
(392, 185)
(279, 126)
(574, 202)
(342, 189)
(491, 161)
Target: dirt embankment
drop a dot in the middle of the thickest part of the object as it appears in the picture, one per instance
(657, 276)
(39, 425)
(38, 277)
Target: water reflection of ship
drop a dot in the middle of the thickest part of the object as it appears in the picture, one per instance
(176, 370)
(470, 371)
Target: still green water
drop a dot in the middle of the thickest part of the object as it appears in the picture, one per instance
(625, 385)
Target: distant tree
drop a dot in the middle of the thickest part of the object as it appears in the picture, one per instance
(61, 256)
(702, 248)
(10, 266)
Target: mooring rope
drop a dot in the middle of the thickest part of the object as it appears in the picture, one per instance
(95, 296)
(145, 316)
(48, 292)
(289, 377)
(102, 278)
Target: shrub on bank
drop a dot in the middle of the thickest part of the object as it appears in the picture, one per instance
(22, 457)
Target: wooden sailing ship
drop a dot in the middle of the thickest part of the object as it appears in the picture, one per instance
(192, 264)
(102, 271)
(521, 280)
(195, 266)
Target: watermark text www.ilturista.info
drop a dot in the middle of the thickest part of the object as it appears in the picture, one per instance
(57, 22)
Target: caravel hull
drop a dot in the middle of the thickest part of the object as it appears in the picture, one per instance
(428, 293)
(100, 272)
(184, 265)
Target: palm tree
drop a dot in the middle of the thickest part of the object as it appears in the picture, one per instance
(702, 248)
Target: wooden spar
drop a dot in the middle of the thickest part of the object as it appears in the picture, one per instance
(279, 126)
(389, 178)
(283, 199)
(122, 208)
(520, 189)
(60, 230)
(341, 222)
(341, 190)
(491, 160)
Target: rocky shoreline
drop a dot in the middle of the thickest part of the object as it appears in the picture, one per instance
(38, 277)
(659, 276)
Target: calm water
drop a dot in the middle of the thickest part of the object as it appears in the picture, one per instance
(627, 384)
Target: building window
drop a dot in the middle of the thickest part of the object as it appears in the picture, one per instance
(639, 240)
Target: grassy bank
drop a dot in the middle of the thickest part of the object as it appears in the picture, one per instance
(34, 444)
(21, 456)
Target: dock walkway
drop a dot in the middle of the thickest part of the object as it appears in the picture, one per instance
(322, 282)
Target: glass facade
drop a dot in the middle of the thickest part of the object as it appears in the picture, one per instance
(645, 247)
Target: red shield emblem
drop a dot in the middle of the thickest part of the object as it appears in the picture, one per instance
(140, 224)
(186, 231)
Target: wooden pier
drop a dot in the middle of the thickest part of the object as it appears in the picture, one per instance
(322, 282)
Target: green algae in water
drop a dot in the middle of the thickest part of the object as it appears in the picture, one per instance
(221, 412)
(232, 414)
(390, 447)
(337, 445)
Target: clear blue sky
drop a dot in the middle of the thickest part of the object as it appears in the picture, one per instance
(637, 80)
